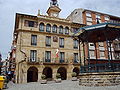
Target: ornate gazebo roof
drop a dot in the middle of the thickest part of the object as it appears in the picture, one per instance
(99, 32)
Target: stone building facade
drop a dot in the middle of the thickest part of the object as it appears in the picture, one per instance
(44, 45)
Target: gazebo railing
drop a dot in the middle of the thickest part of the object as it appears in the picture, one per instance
(105, 67)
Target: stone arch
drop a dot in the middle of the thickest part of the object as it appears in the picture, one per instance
(63, 73)
(76, 70)
(61, 29)
(41, 26)
(48, 27)
(47, 71)
(66, 30)
(32, 74)
(54, 28)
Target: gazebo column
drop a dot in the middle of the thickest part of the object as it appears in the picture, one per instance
(84, 52)
(96, 68)
(80, 53)
(111, 56)
(106, 37)
(109, 63)
(89, 67)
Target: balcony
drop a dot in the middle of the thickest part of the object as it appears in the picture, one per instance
(117, 49)
(33, 60)
(61, 46)
(55, 62)
(61, 61)
(37, 61)
(75, 47)
(48, 60)
(76, 62)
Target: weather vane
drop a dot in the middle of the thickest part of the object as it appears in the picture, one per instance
(54, 2)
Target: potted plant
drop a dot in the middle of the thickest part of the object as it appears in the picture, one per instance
(74, 76)
(43, 77)
(58, 78)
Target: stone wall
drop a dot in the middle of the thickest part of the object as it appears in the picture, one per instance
(99, 79)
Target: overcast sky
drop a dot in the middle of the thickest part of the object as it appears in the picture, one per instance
(8, 8)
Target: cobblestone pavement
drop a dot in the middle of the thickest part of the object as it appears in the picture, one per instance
(64, 85)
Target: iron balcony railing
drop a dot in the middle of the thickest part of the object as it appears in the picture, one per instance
(38, 60)
(106, 67)
(47, 60)
(117, 48)
(33, 59)
(61, 61)
(76, 61)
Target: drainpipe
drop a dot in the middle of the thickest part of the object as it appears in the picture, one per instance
(21, 52)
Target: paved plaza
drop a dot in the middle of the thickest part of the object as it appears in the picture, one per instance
(51, 85)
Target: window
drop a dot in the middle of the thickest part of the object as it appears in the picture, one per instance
(98, 18)
(107, 18)
(89, 23)
(92, 53)
(61, 29)
(101, 44)
(117, 46)
(88, 18)
(47, 56)
(48, 41)
(41, 27)
(33, 55)
(34, 40)
(75, 57)
(117, 55)
(75, 44)
(91, 44)
(48, 28)
(62, 57)
(66, 30)
(61, 42)
(28, 23)
(88, 14)
(54, 29)
(102, 54)
(75, 30)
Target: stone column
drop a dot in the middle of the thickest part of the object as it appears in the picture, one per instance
(24, 77)
(69, 72)
(40, 70)
(54, 73)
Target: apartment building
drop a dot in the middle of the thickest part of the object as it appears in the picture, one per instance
(43, 44)
(89, 17)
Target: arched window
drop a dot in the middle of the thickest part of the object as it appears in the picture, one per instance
(41, 27)
(61, 29)
(48, 28)
(66, 30)
(54, 29)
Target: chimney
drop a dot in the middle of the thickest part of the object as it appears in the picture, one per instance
(38, 12)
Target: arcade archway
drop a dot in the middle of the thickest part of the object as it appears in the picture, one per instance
(63, 73)
(32, 74)
(47, 71)
(76, 70)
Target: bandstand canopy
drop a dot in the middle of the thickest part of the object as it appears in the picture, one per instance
(99, 32)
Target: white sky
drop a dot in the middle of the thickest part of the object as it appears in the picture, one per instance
(8, 8)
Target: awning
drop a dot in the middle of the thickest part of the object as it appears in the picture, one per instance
(99, 32)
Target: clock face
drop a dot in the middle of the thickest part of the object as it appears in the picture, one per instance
(55, 14)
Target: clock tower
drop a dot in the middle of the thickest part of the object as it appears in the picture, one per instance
(54, 9)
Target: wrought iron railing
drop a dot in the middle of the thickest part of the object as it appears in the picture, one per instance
(106, 67)
(46, 61)
(76, 61)
(34, 60)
